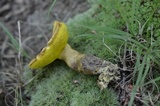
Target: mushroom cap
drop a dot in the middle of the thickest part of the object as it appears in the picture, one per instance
(54, 47)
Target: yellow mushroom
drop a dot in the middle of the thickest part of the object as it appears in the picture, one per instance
(57, 48)
(54, 47)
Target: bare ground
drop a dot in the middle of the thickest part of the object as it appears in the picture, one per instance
(35, 27)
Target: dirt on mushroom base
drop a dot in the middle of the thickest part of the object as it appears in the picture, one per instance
(34, 30)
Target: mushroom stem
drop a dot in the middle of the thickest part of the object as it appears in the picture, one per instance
(89, 64)
(71, 57)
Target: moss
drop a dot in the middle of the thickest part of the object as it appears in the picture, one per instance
(64, 87)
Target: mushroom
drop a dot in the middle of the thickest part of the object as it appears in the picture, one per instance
(58, 48)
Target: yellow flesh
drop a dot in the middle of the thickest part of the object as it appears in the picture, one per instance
(54, 47)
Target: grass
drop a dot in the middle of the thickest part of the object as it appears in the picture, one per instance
(15, 77)
(108, 30)
(14, 42)
(51, 7)
(8, 33)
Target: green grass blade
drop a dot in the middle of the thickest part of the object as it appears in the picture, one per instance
(137, 65)
(133, 13)
(120, 37)
(121, 10)
(140, 74)
(146, 70)
(151, 81)
(109, 30)
(13, 40)
(115, 33)
(52, 5)
(153, 58)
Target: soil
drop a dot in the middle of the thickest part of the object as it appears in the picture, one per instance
(35, 30)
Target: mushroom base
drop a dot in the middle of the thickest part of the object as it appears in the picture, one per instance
(93, 65)
(89, 64)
